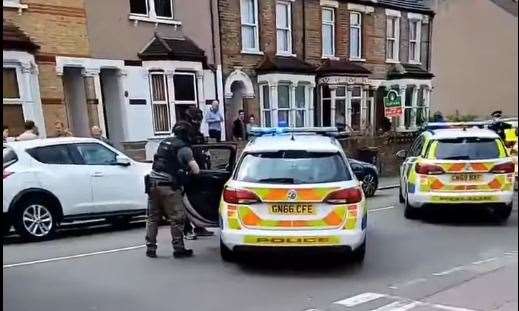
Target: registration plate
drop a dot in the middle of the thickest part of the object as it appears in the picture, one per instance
(292, 209)
(466, 177)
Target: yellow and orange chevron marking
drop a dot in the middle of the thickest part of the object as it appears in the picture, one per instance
(303, 195)
(340, 215)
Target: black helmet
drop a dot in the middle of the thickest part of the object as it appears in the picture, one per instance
(194, 116)
(183, 130)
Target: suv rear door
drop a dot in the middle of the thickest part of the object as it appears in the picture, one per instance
(203, 191)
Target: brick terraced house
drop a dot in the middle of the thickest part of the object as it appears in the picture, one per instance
(35, 33)
(326, 62)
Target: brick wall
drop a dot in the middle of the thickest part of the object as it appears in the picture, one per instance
(59, 28)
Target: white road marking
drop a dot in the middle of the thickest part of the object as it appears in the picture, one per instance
(446, 272)
(401, 304)
(380, 209)
(72, 257)
(408, 283)
(359, 299)
(484, 261)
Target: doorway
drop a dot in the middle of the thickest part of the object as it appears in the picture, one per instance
(76, 102)
(113, 106)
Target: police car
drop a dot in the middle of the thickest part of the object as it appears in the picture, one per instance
(289, 188)
(457, 165)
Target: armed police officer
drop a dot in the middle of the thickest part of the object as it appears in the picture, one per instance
(172, 164)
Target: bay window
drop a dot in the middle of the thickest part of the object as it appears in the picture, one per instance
(284, 28)
(392, 38)
(265, 106)
(12, 105)
(355, 35)
(414, 41)
(328, 32)
(300, 106)
(249, 26)
(283, 105)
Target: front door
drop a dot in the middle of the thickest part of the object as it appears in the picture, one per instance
(203, 192)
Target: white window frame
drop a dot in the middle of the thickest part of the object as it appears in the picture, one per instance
(415, 59)
(295, 109)
(17, 100)
(152, 16)
(262, 106)
(255, 26)
(349, 114)
(329, 23)
(290, 104)
(359, 37)
(164, 102)
(285, 29)
(395, 39)
(186, 102)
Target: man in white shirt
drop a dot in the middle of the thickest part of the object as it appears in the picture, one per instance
(29, 133)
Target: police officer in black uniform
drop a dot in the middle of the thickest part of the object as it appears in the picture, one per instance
(497, 125)
(172, 164)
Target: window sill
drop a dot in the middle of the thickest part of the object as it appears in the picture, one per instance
(330, 57)
(252, 52)
(285, 54)
(156, 20)
(357, 60)
(392, 61)
(14, 5)
(414, 62)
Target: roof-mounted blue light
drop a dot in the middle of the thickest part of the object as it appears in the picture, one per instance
(274, 131)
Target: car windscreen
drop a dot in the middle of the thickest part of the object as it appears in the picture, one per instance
(10, 156)
(469, 148)
(292, 167)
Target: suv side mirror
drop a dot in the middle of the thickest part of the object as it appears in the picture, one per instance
(122, 161)
(402, 154)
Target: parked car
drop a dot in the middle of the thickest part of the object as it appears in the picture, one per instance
(51, 181)
(367, 173)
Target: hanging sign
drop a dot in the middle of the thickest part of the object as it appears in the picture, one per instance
(392, 104)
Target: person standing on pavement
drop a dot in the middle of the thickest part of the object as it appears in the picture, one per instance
(171, 164)
(97, 133)
(238, 127)
(250, 125)
(214, 121)
(60, 130)
(6, 133)
(29, 134)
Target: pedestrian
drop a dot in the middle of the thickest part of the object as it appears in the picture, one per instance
(60, 129)
(6, 133)
(238, 127)
(97, 133)
(30, 131)
(214, 121)
(164, 185)
(250, 125)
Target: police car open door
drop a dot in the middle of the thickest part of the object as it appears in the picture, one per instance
(203, 192)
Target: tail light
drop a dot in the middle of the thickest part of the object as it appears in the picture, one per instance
(239, 196)
(7, 174)
(344, 196)
(503, 168)
(429, 169)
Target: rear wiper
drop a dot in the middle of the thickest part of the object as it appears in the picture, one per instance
(457, 158)
(282, 180)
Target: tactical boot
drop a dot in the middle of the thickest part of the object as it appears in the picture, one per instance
(203, 232)
(182, 252)
(151, 253)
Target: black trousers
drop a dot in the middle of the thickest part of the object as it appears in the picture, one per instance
(216, 134)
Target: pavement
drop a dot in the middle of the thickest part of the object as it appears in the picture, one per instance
(388, 182)
(458, 261)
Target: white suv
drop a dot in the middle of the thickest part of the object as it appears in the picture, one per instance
(50, 181)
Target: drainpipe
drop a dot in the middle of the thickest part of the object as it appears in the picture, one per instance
(221, 62)
(214, 47)
(304, 31)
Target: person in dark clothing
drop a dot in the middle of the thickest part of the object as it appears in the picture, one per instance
(497, 125)
(238, 127)
(164, 185)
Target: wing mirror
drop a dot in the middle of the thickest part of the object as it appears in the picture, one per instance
(402, 154)
(122, 161)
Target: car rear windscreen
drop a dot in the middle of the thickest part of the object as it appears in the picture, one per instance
(467, 149)
(292, 167)
(9, 156)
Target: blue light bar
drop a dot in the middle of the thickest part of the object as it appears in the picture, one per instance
(448, 125)
(260, 131)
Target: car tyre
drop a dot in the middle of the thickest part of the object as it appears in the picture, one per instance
(226, 254)
(370, 183)
(504, 212)
(409, 211)
(35, 219)
(6, 226)
(357, 255)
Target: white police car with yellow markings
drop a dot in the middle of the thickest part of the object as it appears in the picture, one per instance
(457, 164)
(290, 188)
